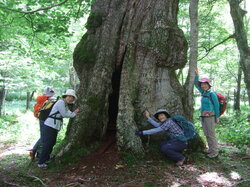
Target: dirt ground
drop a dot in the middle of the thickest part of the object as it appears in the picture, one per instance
(106, 167)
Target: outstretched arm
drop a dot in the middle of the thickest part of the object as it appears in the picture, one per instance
(153, 122)
(152, 131)
(63, 111)
(150, 120)
(196, 81)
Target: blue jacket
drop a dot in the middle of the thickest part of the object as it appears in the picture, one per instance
(206, 103)
(169, 126)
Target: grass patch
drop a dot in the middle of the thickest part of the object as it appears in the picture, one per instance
(130, 159)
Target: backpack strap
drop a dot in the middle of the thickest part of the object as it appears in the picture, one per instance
(210, 97)
(53, 116)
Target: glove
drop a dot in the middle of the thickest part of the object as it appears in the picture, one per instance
(138, 133)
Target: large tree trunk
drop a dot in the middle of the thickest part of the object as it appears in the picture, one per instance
(73, 79)
(126, 63)
(241, 38)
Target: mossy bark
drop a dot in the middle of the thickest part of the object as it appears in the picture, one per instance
(141, 40)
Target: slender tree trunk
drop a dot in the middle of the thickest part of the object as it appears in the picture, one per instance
(28, 101)
(32, 95)
(238, 90)
(2, 100)
(126, 64)
(241, 38)
(194, 30)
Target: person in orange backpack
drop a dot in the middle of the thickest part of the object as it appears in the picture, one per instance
(40, 100)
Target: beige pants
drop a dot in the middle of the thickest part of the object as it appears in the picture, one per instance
(208, 125)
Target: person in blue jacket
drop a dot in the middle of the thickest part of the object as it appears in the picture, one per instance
(173, 147)
(209, 113)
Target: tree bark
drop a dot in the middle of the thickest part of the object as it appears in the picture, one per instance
(28, 101)
(237, 92)
(241, 38)
(2, 99)
(73, 79)
(126, 63)
(193, 56)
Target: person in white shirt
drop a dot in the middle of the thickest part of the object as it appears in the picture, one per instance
(53, 124)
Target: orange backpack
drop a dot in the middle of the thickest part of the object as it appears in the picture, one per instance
(40, 100)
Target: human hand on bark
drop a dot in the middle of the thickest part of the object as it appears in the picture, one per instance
(77, 111)
(146, 113)
(196, 71)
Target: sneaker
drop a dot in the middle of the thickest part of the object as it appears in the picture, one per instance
(32, 155)
(206, 152)
(212, 155)
(43, 166)
(180, 163)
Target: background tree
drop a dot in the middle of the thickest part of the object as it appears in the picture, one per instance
(193, 56)
(38, 38)
(238, 14)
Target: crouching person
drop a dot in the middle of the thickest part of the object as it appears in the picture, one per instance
(174, 147)
(53, 124)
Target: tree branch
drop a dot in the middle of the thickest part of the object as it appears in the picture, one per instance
(79, 9)
(230, 72)
(210, 49)
(34, 11)
(7, 23)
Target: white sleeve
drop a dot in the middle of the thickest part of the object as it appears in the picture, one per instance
(65, 112)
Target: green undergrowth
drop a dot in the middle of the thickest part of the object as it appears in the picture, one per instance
(9, 129)
(235, 130)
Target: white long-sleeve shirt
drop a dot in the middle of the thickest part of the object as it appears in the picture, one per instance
(61, 107)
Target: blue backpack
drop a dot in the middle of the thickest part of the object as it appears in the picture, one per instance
(186, 126)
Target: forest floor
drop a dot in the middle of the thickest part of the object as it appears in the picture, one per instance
(105, 166)
(108, 167)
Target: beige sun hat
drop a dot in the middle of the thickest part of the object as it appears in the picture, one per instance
(70, 92)
(161, 111)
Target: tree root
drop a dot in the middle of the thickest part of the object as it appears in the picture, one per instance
(38, 179)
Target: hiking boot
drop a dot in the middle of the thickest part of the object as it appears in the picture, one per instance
(181, 162)
(32, 155)
(43, 166)
(212, 155)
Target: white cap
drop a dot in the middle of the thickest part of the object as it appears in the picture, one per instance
(70, 92)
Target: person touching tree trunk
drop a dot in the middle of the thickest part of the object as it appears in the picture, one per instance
(173, 147)
(209, 113)
(53, 124)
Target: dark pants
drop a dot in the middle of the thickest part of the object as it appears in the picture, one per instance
(49, 136)
(39, 141)
(173, 149)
